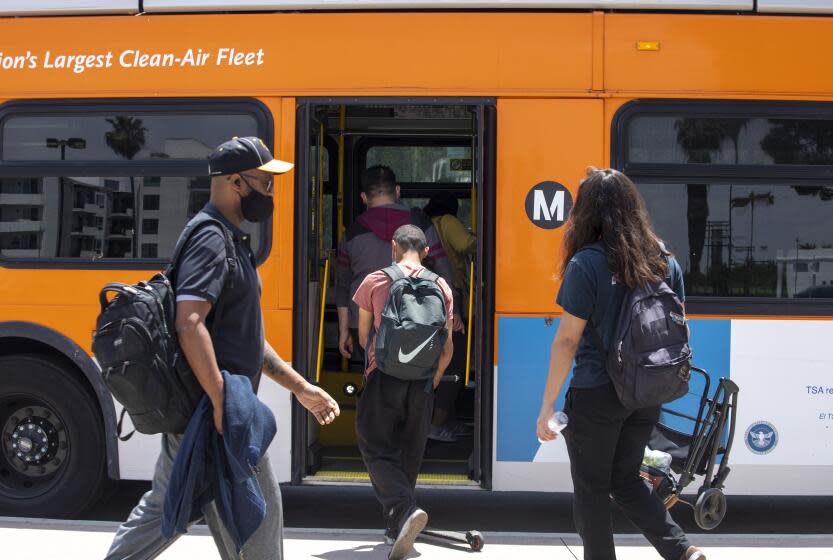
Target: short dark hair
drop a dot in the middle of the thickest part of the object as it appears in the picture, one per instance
(410, 238)
(379, 179)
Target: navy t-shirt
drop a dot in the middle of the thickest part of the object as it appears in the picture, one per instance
(590, 292)
(235, 320)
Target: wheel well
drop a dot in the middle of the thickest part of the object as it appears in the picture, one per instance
(12, 345)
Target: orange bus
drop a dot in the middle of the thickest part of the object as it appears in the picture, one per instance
(719, 109)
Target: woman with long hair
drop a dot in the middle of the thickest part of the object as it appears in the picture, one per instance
(609, 248)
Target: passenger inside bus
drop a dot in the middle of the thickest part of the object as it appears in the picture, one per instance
(460, 245)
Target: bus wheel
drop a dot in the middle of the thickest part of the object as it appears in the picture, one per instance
(53, 448)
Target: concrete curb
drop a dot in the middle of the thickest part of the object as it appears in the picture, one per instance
(569, 539)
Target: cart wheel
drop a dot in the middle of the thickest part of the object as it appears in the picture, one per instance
(475, 540)
(710, 509)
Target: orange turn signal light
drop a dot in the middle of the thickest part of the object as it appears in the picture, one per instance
(647, 46)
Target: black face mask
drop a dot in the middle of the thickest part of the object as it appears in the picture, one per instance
(256, 207)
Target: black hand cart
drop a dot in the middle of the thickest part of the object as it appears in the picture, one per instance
(704, 451)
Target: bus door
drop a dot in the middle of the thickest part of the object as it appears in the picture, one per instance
(432, 147)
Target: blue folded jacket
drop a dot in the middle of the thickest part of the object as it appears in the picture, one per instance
(209, 466)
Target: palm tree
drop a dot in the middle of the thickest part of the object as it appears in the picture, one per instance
(700, 138)
(127, 138)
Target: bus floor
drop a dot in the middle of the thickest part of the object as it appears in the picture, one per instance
(339, 460)
(443, 463)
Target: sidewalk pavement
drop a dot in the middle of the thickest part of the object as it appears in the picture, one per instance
(44, 539)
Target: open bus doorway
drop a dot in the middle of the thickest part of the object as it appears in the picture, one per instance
(432, 148)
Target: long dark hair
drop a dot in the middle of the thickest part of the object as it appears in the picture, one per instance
(608, 208)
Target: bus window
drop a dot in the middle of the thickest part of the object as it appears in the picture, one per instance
(69, 217)
(756, 219)
(729, 140)
(142, 176)
(424, 164)
(118, 137)
(761, 240)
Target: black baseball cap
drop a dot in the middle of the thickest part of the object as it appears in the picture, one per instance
(240, 154)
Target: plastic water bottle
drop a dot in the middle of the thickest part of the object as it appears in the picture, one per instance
(657, 459)
(556, 423)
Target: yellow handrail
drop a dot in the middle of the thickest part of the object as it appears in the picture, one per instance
(471, 317)
(320, 359)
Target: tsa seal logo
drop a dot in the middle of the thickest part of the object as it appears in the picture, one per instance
(761, 437)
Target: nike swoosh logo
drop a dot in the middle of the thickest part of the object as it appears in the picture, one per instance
(405, 358)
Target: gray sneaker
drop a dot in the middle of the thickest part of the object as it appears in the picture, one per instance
(441, 433)
(411, 528)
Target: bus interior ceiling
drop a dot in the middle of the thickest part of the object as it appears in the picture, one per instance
(430, 149)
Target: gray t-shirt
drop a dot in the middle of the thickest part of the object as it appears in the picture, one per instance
(235, 320)
(589, 291)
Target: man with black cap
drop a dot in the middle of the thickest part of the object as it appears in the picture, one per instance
(220, 327)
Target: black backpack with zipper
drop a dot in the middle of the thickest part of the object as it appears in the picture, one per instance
(136, 346)
(649, 361)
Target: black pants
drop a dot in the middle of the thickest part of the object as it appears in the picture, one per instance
(606, 443)
(392, 422)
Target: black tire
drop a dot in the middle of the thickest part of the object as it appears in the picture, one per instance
(69, 478)
(475, 540)
(710, 509)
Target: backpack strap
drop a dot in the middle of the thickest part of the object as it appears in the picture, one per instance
(394, 273)
(190, 230)
(120, 425)
(428, 275)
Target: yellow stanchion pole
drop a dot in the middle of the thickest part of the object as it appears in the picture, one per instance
(320, 359)
(470, 321)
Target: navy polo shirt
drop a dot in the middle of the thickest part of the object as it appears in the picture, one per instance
(235, 321)
(590, 292)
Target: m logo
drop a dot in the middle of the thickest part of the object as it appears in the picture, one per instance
(548, 205)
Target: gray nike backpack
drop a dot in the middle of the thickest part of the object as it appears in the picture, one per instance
(649, 361)
(414, 326)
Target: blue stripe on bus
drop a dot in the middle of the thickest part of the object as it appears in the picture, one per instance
(523, 358)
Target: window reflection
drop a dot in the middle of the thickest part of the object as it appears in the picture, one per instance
(96, 217)
(729, 140)
(181, 136)
(767, 240)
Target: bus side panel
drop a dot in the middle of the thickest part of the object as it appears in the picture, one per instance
(278, 326)
(784, 411)
(538, 141)
(721, 54)
(524, 350)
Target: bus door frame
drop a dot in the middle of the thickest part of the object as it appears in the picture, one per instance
(483, 351)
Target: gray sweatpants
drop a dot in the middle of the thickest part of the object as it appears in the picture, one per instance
(140, 537)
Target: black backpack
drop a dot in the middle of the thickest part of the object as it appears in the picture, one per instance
(136, 346)
(649, 361)
(414, 326)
